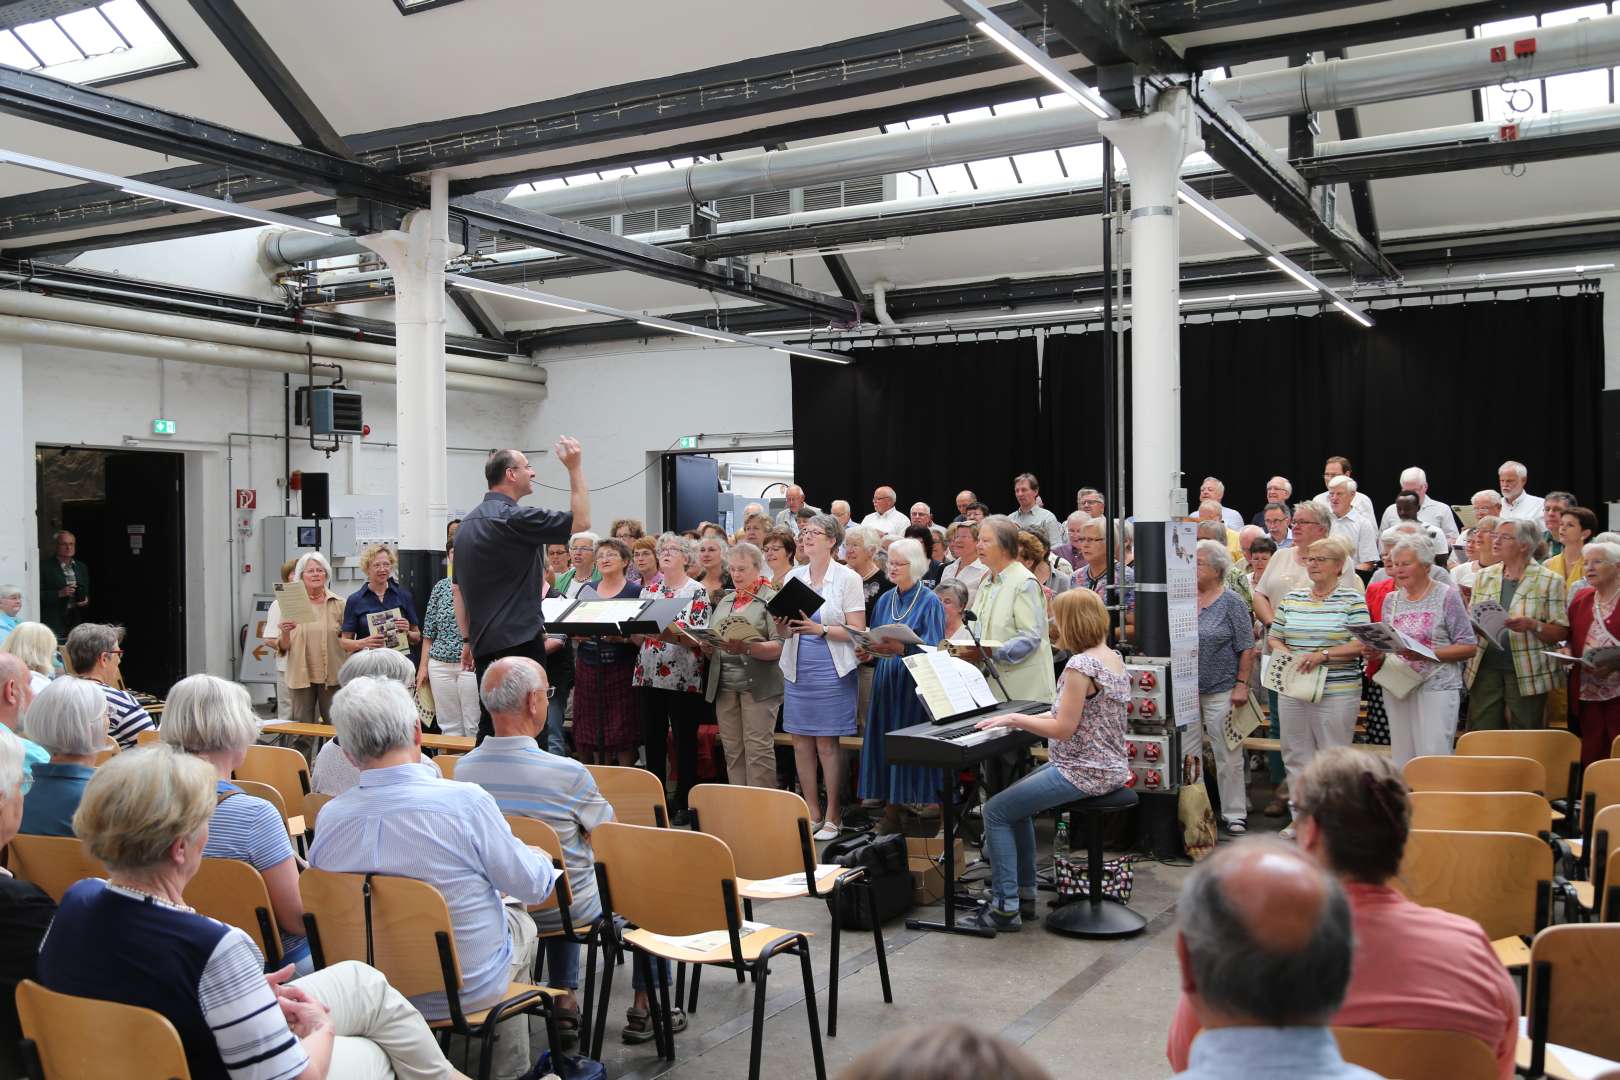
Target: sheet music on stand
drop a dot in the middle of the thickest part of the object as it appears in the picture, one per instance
(949, 687)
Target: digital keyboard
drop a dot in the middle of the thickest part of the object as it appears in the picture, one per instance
(958, 743)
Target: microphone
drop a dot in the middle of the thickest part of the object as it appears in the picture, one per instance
(970, 616)
(968, 619)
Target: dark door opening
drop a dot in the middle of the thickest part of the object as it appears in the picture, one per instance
(126, 508)
(691, 491)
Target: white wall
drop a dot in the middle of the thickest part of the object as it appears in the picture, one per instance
(101, 400)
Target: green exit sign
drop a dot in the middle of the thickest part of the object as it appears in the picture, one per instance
(164, 427)
(689, 442)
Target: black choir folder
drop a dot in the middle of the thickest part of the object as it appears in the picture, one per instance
(795, 600)
(592, 617)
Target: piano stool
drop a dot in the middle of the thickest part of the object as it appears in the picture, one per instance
(1096, 917)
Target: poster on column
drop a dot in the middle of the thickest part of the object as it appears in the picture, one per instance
(1181, 585)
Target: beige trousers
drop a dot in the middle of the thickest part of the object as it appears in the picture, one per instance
(379, 1033)
(748, 735)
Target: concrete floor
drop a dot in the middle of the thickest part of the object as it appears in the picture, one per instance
(1106, 1003)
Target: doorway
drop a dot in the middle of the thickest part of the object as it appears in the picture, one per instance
(126, 508)
(706, 486)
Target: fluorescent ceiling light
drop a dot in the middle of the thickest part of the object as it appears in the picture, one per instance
(585, 307)
(1203, 207)
(1353, 313)
(1040, 64)
(1292, 271)
(1580, 269)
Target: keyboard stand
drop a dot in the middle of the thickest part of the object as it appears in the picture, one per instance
(947, 806)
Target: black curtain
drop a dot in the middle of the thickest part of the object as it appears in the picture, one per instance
(1454, 388)
(928, 420)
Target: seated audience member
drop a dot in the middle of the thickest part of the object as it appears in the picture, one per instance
(25, 910)
(131, 939)
(1085, 735)
(525, 781)
(1278, 521)
(1594, 623)
(69, 720)
(1279, 489)
(16, 694)
(10, 606)
(335, 772)
(1213, 490)
(403, 818)
(965, 567)
(35, 645)
(214, 720)
(94, 651)
(1415, 967)
(1265, 947)
(948, 1051)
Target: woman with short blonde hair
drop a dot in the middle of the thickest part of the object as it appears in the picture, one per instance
(34, 644)
(364, 625)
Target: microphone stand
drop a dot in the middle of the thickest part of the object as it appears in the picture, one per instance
(968, 619)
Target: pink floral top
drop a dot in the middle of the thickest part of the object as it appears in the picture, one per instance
(1093, 758)
(1595, 687)
(674, 667)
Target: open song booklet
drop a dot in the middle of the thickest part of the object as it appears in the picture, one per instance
(948, 686)
(1490, 622)
(1592, 659)
(888, 632)
(1385, 638)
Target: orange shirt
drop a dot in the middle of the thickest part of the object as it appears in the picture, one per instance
(1415, 967)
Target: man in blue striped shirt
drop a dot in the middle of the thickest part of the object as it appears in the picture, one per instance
(94, 651)
(527, 781)
(402, 818)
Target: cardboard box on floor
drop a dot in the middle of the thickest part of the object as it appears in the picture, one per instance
(927, 877)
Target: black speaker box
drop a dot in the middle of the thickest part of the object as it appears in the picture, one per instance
(316, 498)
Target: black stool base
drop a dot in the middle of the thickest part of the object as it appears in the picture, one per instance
(1084, 919)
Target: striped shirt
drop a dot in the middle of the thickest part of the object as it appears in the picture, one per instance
(125, 717)
(250, 829)
(1306, 624)
(528, 782)
(206, 978)
(408, 821)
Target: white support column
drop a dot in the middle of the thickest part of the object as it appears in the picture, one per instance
(417, 255)
(1154, 147)
(19, 547)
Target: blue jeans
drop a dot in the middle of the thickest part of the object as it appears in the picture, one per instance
(556, 738)
(1009, 832)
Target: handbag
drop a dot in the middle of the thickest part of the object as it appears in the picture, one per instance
(566, 1067)
(1073, 883)
(1197, 820)
(1397, 677)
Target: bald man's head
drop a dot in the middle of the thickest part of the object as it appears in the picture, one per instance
(514, 691)
(1264, 938)
(15, 689)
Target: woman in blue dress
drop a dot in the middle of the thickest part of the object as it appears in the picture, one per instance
(894, 694)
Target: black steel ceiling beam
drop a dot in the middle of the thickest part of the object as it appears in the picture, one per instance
(1361, 199)
(468, 305)
(270, 76)
(572, 238)
(1166, 17)
(848, 287)
(89, 112)
(1342, 35)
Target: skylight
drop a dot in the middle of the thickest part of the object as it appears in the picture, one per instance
(1577, 90)
(92, 44)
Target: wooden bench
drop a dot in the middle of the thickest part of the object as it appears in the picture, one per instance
(845, 742)
(459, 744)
(1257, 742)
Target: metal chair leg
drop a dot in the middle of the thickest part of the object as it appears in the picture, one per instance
(757, 1040)
(602, 1000)
(587, 1000)
(877, 942)
(680, 982)
(832, 958)
(486, 1052)
(648, 970)
(697, 979)
(667, 1017)
(810, 1008)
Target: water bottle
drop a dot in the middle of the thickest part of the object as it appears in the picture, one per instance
(1060, 839)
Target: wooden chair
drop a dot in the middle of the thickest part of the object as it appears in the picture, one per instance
(75, 1038)
(1614, 747)
(1446, 772)
(106, 754)
(1574, 992)
(283, 769)
(233, 892)
(147, 737)
(538, 834)
(1412, 1052)
(272, 795)
(1598, 890)
(768, 832)
(1482, 811)
(312, 809)
(1503, 881)
(1600, 787)
(447, 764)
(52, 862)
(636, 795)
(401, 927)
(672, 883)
(1558, 751)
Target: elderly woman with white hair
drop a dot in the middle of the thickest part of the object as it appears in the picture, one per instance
(335, 772)
(863, 553)
(132, 939)
(10, 606)
(214, 720)
(910, 603)
(69, 720)
(1594, 624)
(1430, 613)
(35, 645)
(744, 681)
(1508, 686)
(314, 651)
(1225, 658)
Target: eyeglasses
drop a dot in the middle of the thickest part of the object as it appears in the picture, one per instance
(550, 692)
(1319, 559)
(811, 532)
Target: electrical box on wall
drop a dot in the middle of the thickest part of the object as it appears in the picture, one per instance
(288, 537)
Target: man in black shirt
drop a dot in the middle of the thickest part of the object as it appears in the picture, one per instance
(500, 560)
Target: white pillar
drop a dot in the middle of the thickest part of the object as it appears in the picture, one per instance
(1154, 147)
(416, 255)
(19, 547)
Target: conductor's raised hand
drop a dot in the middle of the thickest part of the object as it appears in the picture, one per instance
(568, 452)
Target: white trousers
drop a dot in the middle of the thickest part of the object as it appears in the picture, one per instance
(379, 1033)
(1423, 722)
(455, 697)
(1229, 777)
(1307, 728)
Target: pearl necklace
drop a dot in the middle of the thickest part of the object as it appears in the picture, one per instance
(916, 595)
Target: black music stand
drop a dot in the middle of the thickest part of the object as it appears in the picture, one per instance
(651, 618)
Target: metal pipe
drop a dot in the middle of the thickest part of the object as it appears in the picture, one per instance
(101, 339)
(1525, 126)
(108, 316)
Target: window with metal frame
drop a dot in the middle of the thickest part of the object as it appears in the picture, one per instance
(1512, 98)
(90, 43)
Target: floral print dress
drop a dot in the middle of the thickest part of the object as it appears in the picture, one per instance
(674, 667)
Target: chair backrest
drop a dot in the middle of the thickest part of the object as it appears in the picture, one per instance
(1558, 750)
(335, 914)
(283, 768)
(267, 792)
(668, 881)
(52, 862)
(447, 764)
(106, 754)
(80, 1038)
(233, 892)
(1605, 870)
(312, 808)
(1411, 1052)
(406, 917)
(1445, 772)
(759, 825)
(146, 737)
(1602, 782)
(636, 795)
(1482, 811)
(1494, 878)
(1583, 1008)
(1614, 747)
(538, 834)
